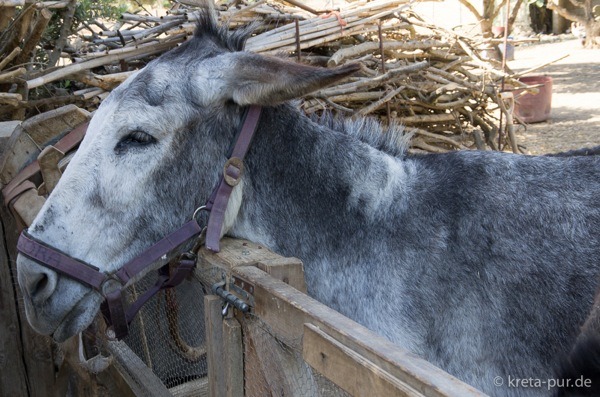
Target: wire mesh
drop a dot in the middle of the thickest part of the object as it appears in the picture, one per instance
(169, 336)
(168, 333)
(275, 367)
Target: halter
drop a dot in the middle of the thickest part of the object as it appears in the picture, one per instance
(111, 285)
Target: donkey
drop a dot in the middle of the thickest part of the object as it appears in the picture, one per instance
(483, 263)
(579, 372)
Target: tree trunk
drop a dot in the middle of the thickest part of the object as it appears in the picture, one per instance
(541, 19)
(491, 9)
(65, 31)
(588, 20)
(486, 27)
(592, 34)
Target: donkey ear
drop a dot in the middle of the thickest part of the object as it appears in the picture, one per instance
(263, 80)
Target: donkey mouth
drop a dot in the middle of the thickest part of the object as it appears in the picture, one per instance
(79, 317)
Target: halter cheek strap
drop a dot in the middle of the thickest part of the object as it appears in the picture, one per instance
(232, 174)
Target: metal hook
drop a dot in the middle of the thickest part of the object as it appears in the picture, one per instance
(225, 309)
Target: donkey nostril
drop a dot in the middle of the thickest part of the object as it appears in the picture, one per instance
(41, 286)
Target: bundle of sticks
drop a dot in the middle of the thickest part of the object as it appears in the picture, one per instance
(430, 79)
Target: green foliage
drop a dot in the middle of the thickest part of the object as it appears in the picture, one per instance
(85, 11)
(88, 10)
(537, 3)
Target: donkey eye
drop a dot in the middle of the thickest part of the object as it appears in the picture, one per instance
(134, 139)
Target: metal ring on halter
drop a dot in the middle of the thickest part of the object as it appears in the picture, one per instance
(197, 211)
(111, 284)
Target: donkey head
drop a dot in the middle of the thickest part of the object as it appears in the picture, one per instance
(152, 154)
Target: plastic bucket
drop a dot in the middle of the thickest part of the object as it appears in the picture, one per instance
(533, 108)
(510, 51)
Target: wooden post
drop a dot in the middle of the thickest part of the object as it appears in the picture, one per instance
(12, 367)
(214, 345)
(224, 351)
(35, 355)
(234, 358)
(288, 270)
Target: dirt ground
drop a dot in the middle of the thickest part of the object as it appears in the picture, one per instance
(575, 116)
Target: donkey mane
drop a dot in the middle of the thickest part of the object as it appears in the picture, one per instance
(393, 139)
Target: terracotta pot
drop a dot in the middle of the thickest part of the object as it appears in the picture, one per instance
(498, 31)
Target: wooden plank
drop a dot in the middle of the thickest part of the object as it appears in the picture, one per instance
(39, 357)
(194, 388)
(140, 379)
(347, 369)
(13, 376)
(236, 252)
(288, 270)
(286, 309)
(6, 130)
(113, 384)
(33, 134)
(37, 350)
(19, 151)
(233, 358)
(215, 351)
(48, 127)
(28, 205)
(78, 379)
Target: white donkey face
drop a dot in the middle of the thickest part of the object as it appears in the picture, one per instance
(105, 207)
(152, 154)
(149, 158)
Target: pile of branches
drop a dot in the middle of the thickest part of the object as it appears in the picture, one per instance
(432, 80)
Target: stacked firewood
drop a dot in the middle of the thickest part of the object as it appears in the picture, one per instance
(434, 81)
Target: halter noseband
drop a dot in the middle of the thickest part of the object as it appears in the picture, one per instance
(111, 285)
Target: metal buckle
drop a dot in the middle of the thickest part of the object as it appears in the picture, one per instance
(237, 164)
(200, 240)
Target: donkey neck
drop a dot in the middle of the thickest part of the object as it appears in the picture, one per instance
(305, 181)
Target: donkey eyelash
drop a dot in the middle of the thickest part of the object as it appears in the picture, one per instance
(134, 139)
